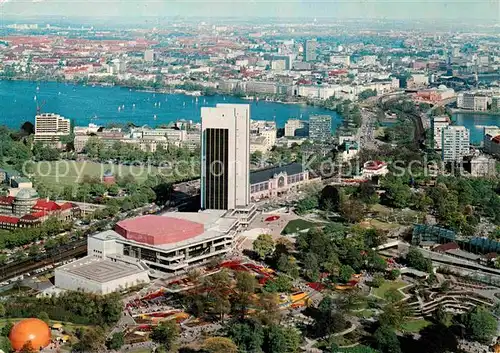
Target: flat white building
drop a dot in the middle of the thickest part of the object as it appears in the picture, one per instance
(225, 156)
(344, 60)
(455, 143)
(92, 274)
(438, 124)
(149, 55)
(50, 127)
(292, 125)
(491, 140)
(473, 101)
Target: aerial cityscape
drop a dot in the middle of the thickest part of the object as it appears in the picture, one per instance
(250, 177)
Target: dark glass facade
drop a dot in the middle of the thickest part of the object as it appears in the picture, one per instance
(215, 183)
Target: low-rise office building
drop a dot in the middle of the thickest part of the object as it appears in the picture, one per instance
(491, 140)
(275, 181)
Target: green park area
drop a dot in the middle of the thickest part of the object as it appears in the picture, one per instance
(414, 326)
(297, 225)
(70, 172)
(388, 286)
(394, 217)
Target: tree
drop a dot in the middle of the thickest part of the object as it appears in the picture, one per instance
(2, 310)
(367, 194)
(263, 245)
(352, 210)
(397, 194)
(165, 334)
(373, 237)
(394, 315)
(329, 199)
(5, 331)
(311, 266)
(375, 262)
(5, 344)
(288, 265)
(377, 281)
(437, 338)
(443, 317)
(219, 286)
(393, 274)
(293, 339)
(328, 319)
(42, 315)
(247, 334)
(219, 344)
(275, 341)
(387, 340)
(92, 340)
(416, 259)
(269, 308)
(34, 250)
(367, 93)
(281, 284)
(116, 341)
(245, 282)
(481, 325)
(392, 295)
(346, 273)
(306, 204)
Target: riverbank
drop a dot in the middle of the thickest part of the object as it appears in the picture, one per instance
(473, 112)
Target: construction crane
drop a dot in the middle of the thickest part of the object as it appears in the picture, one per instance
(39, 107)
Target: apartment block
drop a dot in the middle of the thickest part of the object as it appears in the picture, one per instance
(455, 143)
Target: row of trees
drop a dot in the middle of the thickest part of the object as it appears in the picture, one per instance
(76, 307)
(22, 236)
(458, 202)
(126, 153)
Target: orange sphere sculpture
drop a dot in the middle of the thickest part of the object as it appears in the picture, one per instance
(34, 330)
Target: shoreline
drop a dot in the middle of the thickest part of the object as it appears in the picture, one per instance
(473, 112)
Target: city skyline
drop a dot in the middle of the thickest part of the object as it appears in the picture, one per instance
(127, 11)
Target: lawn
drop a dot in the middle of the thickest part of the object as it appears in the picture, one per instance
(297, 225)
(414, 326)
(70, 172)
(366, 313)
(380, 291)
(375, 223)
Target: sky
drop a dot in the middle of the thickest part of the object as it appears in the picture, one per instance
(135, 9)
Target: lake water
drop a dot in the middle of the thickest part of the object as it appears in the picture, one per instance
(475, 123)
(82, 103)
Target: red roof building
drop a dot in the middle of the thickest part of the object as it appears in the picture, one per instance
(45, 205)
(446, 247)
(9, 219)
(158, 230)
